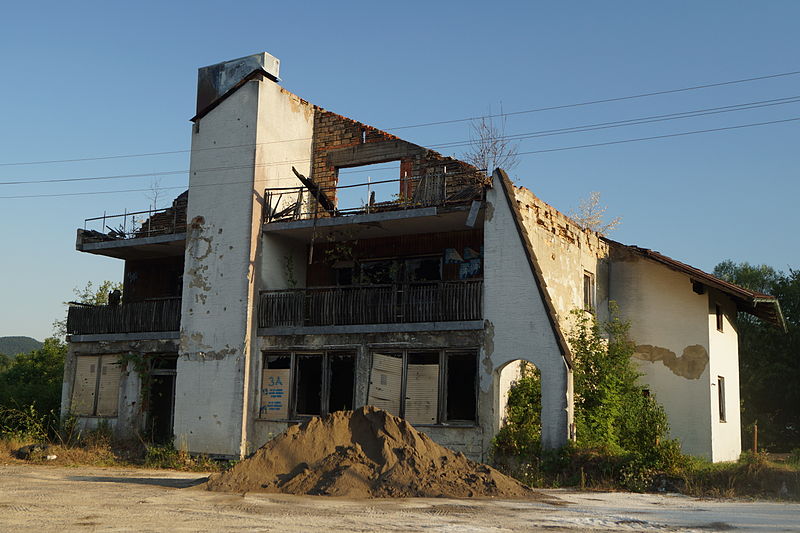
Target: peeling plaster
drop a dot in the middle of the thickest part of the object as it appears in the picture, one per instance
(690, 365)
(488, 347)
(198, 279)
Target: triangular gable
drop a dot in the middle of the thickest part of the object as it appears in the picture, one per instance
(503, 183)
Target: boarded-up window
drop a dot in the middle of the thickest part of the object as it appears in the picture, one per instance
(95, 391)
(385, 384)
(426, 387)
(85, 385)
(422, 388)
(108, 386)
(275, 387)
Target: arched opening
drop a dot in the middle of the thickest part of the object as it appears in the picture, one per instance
(519, 409)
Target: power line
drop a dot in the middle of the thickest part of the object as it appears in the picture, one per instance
(520, 136)
(638, 139)
(603, 101)
(635, 121)
(453, 121)
(681, 134)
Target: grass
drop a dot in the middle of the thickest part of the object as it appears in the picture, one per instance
(754, 475)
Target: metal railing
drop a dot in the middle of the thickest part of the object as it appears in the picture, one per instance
(298, 203)
(156, 314)
(134, 224)
(436, 301)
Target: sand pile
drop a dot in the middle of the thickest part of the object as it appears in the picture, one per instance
(363, 453)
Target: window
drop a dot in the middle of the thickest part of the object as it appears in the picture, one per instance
(301, 384)
(588, 291)
(95, 390)
(426, 386)
(721, 395)
(720, 318)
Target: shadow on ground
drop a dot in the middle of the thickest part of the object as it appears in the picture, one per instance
(175, 483)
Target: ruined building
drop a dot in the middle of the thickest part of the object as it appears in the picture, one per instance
(286, 285)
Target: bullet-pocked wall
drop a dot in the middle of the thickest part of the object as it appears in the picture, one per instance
(245, 142)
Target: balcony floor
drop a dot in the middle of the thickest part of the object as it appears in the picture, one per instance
(381, 224)
(169, 245)
(372, 328)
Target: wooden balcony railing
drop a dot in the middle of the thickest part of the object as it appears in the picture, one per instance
(375, 304)
(157, 314)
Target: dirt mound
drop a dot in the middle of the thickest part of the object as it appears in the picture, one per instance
(363, 453)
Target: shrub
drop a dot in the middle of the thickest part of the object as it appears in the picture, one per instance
(521, 433)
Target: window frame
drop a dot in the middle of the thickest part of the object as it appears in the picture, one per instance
(325, 384)
(443, 364)
(721, 399)
(720, 318)
(589, 291)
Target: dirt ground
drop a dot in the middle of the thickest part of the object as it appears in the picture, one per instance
(49, 498)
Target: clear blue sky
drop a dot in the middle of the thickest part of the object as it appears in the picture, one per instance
(88, 79)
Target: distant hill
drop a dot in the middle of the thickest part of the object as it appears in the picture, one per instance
(15, 345)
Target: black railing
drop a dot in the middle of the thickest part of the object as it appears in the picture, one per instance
(157, 314)
(439, 301)
(134, 225)
(298, 203)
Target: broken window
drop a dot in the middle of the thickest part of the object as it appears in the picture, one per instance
(382, 272)
(426, 386)
(588, 291)
(308, 384)
(423, 269)
(300, 384)
(462, 384)
(721, 396)
(95, 390)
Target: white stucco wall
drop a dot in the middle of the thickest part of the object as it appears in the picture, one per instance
(218, 281)
(724, 362)
(517, 323)
(285, 129)
(666, 314)
(271, 130)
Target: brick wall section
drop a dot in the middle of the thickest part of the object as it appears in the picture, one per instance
(333, 131)
(171, 220)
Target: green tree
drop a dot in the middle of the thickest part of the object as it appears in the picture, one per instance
(35, 378)
(769, 359)
(611, 408)
(87, 295)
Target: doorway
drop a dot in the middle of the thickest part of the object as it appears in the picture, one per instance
(161, 408)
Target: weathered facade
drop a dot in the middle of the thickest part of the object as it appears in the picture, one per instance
(273, 297)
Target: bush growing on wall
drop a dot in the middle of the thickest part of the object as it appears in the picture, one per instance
(611, 409)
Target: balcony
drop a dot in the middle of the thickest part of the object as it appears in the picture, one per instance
(418, 302)
(136, 234)
(149, 316)
(311, 201)
(448, 202)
